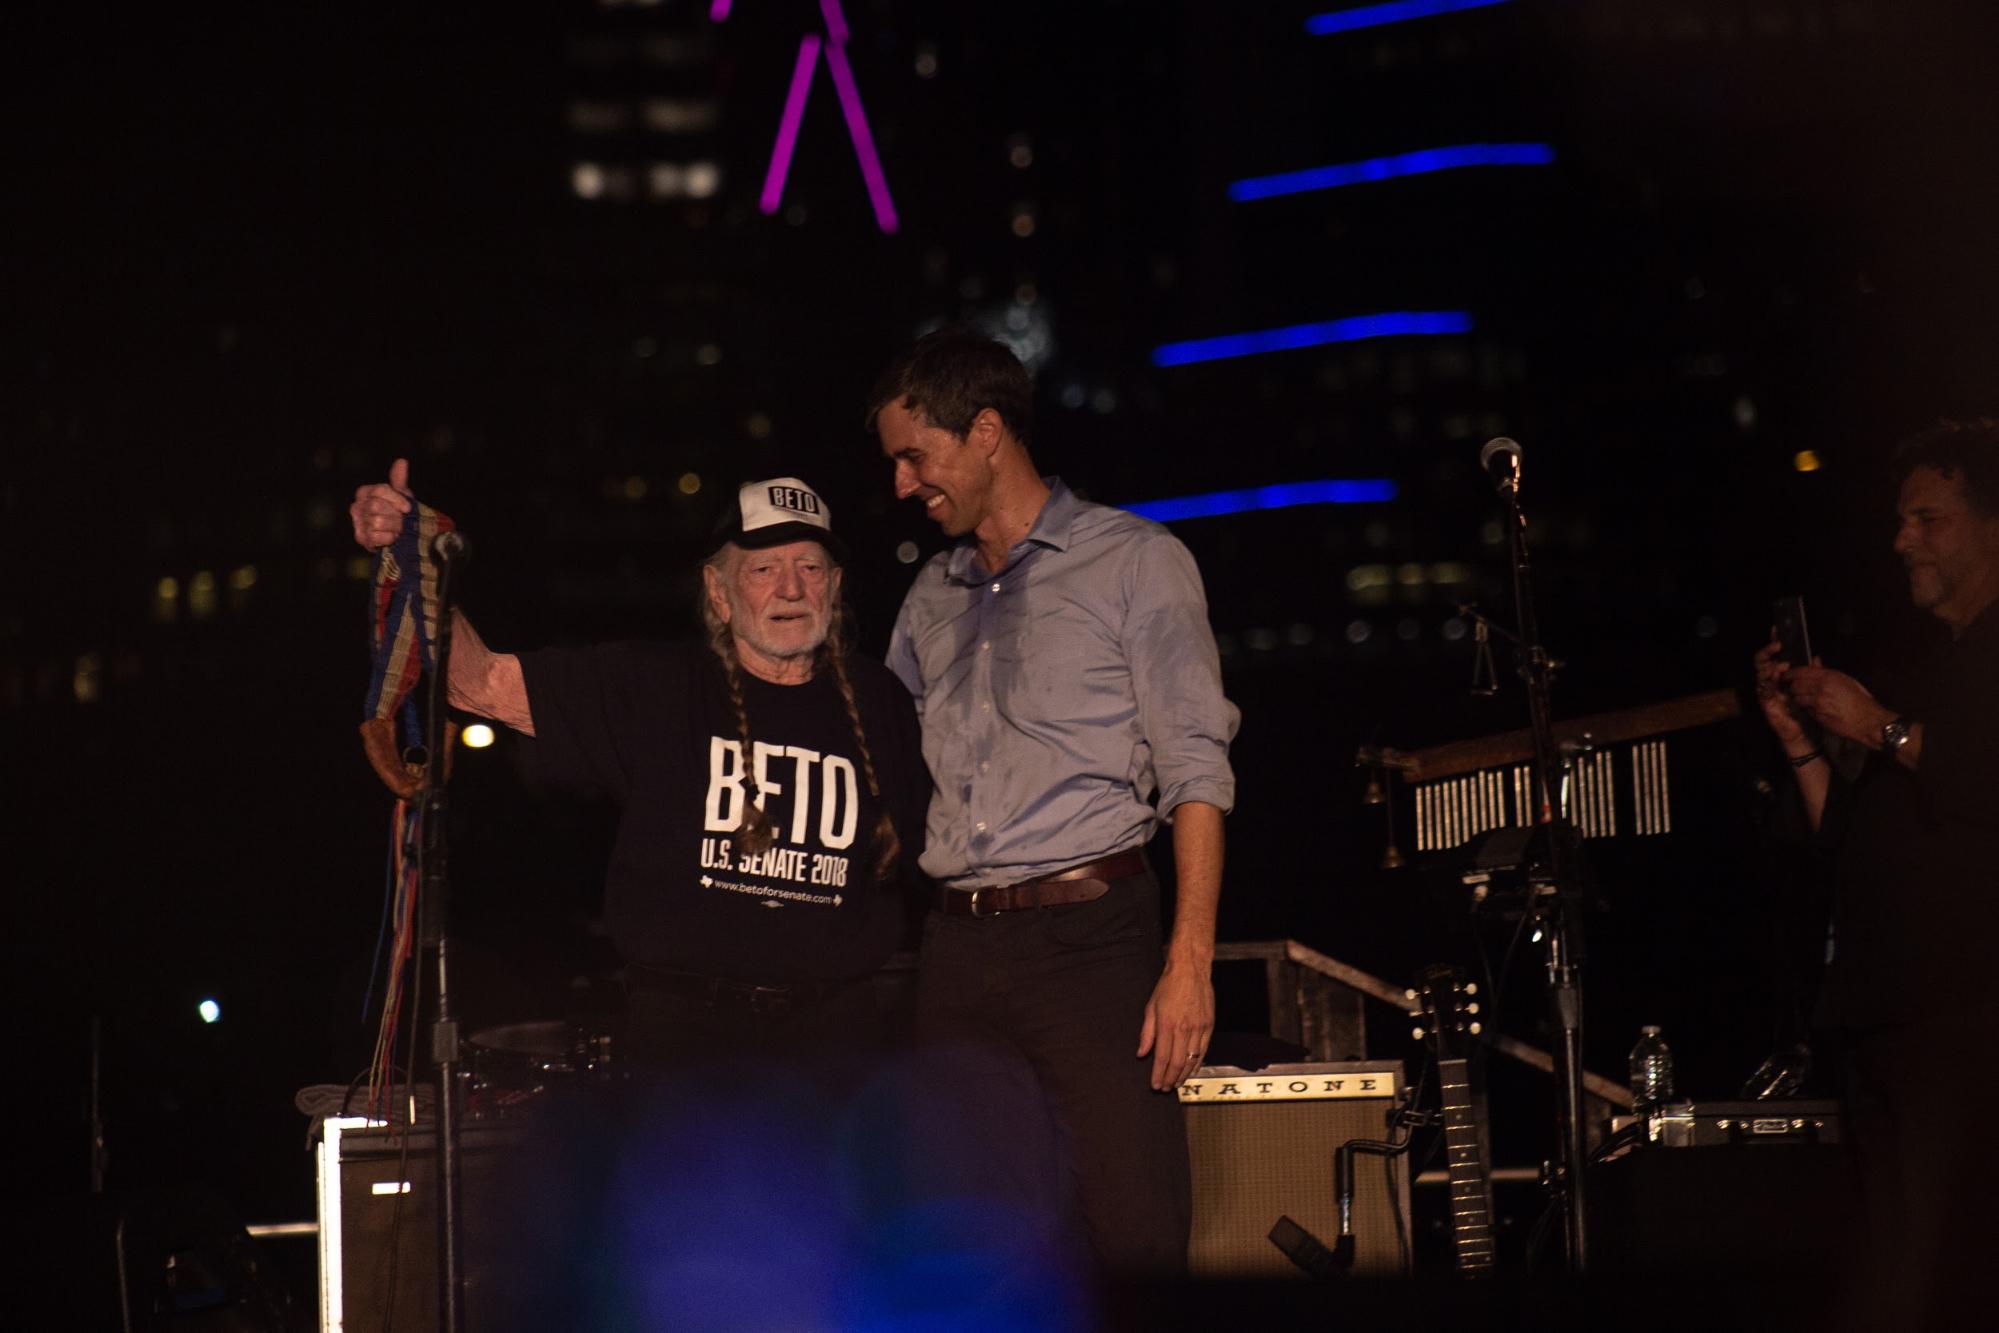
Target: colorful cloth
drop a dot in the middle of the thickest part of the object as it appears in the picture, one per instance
(404, 622)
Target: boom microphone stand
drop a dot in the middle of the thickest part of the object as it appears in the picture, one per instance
(1555, 905)
(450, 551)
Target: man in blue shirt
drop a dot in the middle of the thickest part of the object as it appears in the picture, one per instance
(1070, 695)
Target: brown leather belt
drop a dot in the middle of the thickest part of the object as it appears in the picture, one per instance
(1078, 884)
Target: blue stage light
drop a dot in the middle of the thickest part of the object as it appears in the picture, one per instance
(1368, 490)
(1388, 168)
(1394, 324)
(1398, 11)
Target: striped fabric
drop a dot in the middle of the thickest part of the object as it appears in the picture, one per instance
(403, 615)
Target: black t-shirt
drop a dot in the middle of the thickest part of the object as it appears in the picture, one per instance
(651, 727)
(1915, 877)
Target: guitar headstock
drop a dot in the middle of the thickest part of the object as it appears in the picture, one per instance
(1446, 1011)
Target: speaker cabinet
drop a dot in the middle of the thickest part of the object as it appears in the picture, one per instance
(1261, 1143)
(1766, 1208)
(378, 1227)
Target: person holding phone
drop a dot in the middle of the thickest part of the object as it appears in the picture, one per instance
(1909, 836)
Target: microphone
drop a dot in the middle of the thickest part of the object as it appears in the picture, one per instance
(450, 547)
(1501, 460)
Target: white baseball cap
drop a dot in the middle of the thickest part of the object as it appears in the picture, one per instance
(776, 511)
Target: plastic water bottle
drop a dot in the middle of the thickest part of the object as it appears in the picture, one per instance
(1651, 1070)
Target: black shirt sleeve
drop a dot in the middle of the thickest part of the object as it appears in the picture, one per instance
(1959, 767)
(587, 704)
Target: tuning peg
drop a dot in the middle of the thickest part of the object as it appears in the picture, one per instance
(1418, 1033)
(1409, 994)
(1471, 988)
(1474, 1029)
(1472, 1008)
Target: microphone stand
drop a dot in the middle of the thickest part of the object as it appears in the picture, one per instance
(1556, 906)
(99, 1157)
(435, 906)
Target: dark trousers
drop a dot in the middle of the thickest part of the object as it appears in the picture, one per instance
(667, 1028)
(1034, 1016)
(710, 1186)
(1918, 1097)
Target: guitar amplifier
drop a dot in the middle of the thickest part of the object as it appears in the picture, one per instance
(1261, 1145)
(378, 1224)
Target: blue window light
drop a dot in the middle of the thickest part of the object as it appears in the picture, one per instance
(1369, 490)
(1394, 324)
(1372, 169)
(1397, 11)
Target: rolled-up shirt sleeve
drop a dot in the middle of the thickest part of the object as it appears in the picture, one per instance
(1177, 675)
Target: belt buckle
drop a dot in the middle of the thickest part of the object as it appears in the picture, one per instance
(978, 903)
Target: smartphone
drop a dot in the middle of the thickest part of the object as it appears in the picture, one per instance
(1788, 615)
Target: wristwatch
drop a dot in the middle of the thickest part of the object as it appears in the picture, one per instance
(1894, 735)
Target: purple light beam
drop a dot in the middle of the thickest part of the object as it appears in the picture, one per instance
(718, 11)
(787, 128)
(836, 21)
(857, 129)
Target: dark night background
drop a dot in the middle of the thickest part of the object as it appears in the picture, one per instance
(254, 253)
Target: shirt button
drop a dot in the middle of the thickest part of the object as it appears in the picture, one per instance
(980, 826)
(985, 708)
(995, 587)
(986, 647)
(985, 766)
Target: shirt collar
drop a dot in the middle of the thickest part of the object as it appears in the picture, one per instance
(1053, 527)
(1983, 626)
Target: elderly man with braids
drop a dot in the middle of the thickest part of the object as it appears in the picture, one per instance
(771, 787)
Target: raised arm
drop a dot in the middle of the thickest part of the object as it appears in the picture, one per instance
(1808, 762)
(485, 682)
(1847, 709)
(482, 681)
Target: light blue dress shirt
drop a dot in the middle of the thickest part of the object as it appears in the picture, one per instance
(1062, 694)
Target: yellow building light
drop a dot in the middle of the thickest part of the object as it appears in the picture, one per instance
(201, 594)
